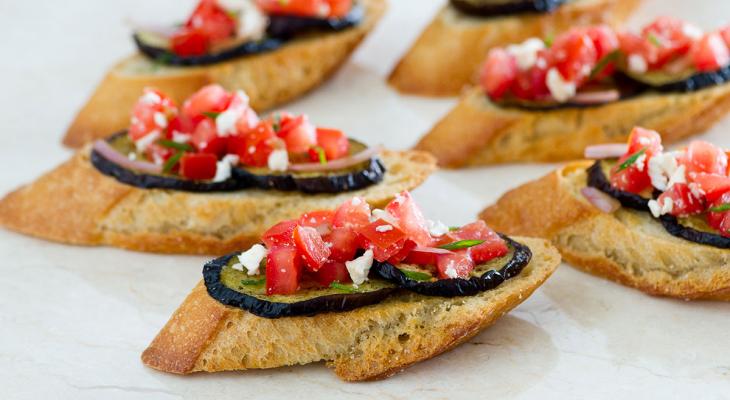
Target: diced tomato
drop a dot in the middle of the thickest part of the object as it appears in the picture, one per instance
(633, 44)
(725, 33)
(425, 255)
(531, 84)
(159, 154)
(710, 53)
(720, 220)
(605, 41)
(209, 99)
(212, 21)
(498, 73)
(321, 220)
(298, 133)
(711, 185)
(705, 157)
(645, 138)
(189, 42)
(307, 8)
(332, 271)
(683, 201)
(248, 121)
(354, 213)
(150, 109)
(280, 235)
(339, 8)
(334, 142)
(183, 124)
(669, 38)
(574, 55)
(198, 166)
(630, 179)
(407, 248)
(283, 270)
(382, 234)
(311, 247)
(254, 147)
(206, 140)
(493, 246)
(410, 219)
(456, 263)
(344, 244)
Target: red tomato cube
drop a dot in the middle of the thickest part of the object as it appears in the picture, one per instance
(332, 271)
(311, 247)
(410, 219)
(280, 235)
(455, 265)
(354, 213)
(198, 166)
(334, 143)
(283, 270)
(344, 244)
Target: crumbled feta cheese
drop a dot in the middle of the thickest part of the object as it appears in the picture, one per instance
(160, 120)
(132, 155)
(251, 258)
(451, 271)
(225, 122)
(278, 160)
(657, 210)
(223, 167)
(179, 137)
(677, 177)
(560, 89)
(692, 31)
(640, 162)
(150, 97)
(384, 228)
(237, 267)
(146, 140)
(356, 201)
(662, 167)
(384, 215)
(323, 10)
(526, 52)
(251, 149)
(637, 64)
(437, 228)
(697, 192)
(360, 267)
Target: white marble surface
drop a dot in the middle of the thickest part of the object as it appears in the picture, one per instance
(73, 320)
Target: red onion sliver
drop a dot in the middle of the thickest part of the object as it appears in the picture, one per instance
(340, 163)
(609, 150)
(596, 97)
(434, 250)
(601, 200)
(106, 150)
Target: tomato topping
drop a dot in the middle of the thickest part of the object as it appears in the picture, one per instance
(298, 133)
(254, 147)
(720, 220)
(280, 235)
(531, 83)
(283, 270)
(189, 42)
(151, 113)
(334, 143)
(712, 186)
(354, 213)
(455, 265)
(209, 99)
(307, 8)
(321, 220)
(332, 271)
(606, 42)
(710, 53)
(494, 246)
(158, 154)
(410, 219)
(407, 248)
(311, 247)
(574, 55)
(633, 44)
(206, 140)
(683, 201)
(212, 21)
(425, 255)
(344, 244)
(705, 157)
(635, 177)
(198, 166)
(498, 73)
(382, 234)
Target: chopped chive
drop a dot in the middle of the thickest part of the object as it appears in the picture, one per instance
(549, 39)
(277, 123)
(320, 154)
(454, 228)
(461, 244)
(344, 288)
(415, 275)
(172, 161)
(253, 282)
(655, 40)
(631, 159)
(603, 63)
(721, 208)
(211, 114)
(175, 145)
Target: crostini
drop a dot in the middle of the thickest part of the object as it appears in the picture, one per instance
(207, 177)
(446, 57)
(652, 219)
(543, 101)
(275, 51)
(368, 291)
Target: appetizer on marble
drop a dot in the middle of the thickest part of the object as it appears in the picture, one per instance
(275, 51)
(369, 291)
(446, 57)
(653, 219)
(543, 101)
(206, 177)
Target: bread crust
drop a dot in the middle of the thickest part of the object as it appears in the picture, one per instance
(447, 55)
(626, 246)
(76, 204)
(368, 343)
(269, 79)
(478, 132)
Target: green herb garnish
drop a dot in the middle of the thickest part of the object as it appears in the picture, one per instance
(161, 60)
(655, 40)
(461, 244)
(211, 114)
(277, 123)
(454, 228)
(253, 282)
(549, 39)
(172, 161)
(631, 159)
(320, 154)
(344, 288)
(721, 208)
(175, 145)
(603, 63)
(415, 275)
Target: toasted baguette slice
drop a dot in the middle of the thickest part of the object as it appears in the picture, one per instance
(626, 246)
(368, 343)
(76, 204)
(478, 132)
(447, 55)
(269, 79)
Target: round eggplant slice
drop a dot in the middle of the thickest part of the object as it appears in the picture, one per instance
(288, 26)
(236, 289)
(155, 48)
(688, 82)
(694, 230)
(484, 277)
(121, 142)
(597, 179)
(491, 8)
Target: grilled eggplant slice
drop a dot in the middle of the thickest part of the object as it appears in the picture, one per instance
(597, 178)
(484, 277)
(155, 47)
(236, 289)
(689, 81)
(695, 230)
(492, 8)
(287, 26)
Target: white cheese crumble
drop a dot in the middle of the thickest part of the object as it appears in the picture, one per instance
(437, 228)
(132, 155)
(278, 160)
(356, 201)
(382, 214)
(560, 89)
(146, 140)
(677, 177)
(526, 52)
(179, 137)
(451, 271)
(150, 97)
(662, 168)
(360, 267)
(692, 31)
(225, 122)
(160, 119)
(640, 162)
(657, 210)
(223, 167)
(251, 259)
(384, 228)
(637, 64)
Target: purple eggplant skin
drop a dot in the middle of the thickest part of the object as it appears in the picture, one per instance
(495, 9)
(288, 26)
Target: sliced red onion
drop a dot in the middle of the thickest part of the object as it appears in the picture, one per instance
(433, 250)
(339, 163)
(601, 200)
(608, 150)
(106, 150)
(596, 97)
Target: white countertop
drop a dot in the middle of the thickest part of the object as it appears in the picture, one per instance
(74, 321)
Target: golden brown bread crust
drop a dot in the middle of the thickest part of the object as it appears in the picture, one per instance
(626, 246)
(368, 343)
(269, 79)
(76, 204)
(478, 132)
(447, 55)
